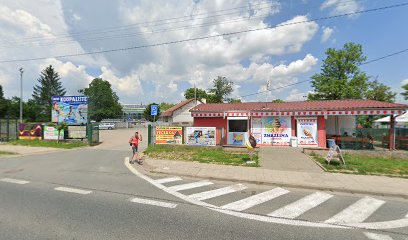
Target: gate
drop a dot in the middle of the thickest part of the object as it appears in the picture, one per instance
(93, 133)
(8, 129)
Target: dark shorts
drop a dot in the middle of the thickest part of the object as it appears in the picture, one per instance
(134, 149)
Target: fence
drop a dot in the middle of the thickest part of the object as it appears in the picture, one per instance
(8, 129)
(370, 138)
(93, 133)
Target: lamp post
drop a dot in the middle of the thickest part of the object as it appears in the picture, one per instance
(21, 94)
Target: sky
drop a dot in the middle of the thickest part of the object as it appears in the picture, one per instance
(285, 45)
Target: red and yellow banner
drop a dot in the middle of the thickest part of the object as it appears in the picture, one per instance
(169, 135)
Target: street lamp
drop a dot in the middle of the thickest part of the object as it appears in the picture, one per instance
(21, 94)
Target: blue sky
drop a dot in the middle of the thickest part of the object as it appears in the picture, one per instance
(283, 56)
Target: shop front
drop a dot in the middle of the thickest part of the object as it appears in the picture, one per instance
(278, 124)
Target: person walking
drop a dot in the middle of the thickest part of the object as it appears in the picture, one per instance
(134, 143)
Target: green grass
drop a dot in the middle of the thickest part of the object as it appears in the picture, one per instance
(367, 165)
(200, 154)
(53, 144)
(3, 153)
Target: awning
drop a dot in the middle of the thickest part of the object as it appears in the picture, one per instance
(237, 118)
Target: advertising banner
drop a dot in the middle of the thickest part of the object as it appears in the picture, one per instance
(30, 131)
(307, 131)
(73, 110)
(201, 136)
(77, 132)
(169, 135)
(237, 138)
(272, 130)
(51, 133)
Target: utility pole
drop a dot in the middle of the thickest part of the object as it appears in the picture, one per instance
(21, 94)
(195, 94)
(268, 86)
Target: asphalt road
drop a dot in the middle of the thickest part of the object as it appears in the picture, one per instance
(87, 193)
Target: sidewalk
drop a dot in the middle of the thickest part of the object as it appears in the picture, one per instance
(26, 150)
(376, 185)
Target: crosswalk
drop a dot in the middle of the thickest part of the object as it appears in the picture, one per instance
(281, 201)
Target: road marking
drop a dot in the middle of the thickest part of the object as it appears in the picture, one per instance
(153, 202)
(167, 180)
(192, 185)
(11, 180)
(217, 192)
(374, 236)
(72, 190)
(357, 212)
(301, 206)
(251, 201)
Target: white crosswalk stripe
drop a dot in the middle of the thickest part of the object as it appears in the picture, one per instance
(251, 201)
(357, 212)
(72, 190)
(301, 206)
(190, 185)
(153, 202)
(374, 236)
(17, 181)
(217, 192)
(170, 179)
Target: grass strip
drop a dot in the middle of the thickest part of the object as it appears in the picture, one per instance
(52, 144)
(201, 154)
(2, 153)
(367, 165)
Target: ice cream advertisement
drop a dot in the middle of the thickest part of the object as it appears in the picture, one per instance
(275, 131)
(307, 131)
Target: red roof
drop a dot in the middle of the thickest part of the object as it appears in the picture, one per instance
(352, 104)
(169, 112)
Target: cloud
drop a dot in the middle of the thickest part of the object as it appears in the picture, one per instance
(296, 95)
(327, 32)
(404, 82)
(341, 7)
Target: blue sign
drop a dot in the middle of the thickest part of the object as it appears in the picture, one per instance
(153, 110)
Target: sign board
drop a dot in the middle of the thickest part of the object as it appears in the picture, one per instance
(335, 150)
(73, 110)
(51, 133)
(77, 132)
(154, 110)
(30, 131)
(169, 135)
(274, 131)
(307, 131)
(201, 136)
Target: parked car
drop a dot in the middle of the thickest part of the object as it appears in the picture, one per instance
(108, 126)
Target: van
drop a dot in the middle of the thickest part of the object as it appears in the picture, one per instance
(108, 126)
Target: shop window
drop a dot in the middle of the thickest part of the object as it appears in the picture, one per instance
(237, 125)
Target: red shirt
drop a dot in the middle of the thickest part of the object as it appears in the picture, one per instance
(135, 141)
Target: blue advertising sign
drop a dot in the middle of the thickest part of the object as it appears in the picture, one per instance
(73, 110)
(153, 110)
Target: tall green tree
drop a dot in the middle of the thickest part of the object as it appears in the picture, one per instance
(190, 93)
(340, 76)
(380, 92)
(49, 85)
(164, 106)
(102, 100)
(3, 103)
(222, 87)
(405, 93)
(147, 112)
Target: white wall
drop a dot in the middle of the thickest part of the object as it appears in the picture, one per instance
(343, 122)
(183, 114)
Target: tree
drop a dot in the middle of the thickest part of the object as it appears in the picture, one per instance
(164, 106)
(340, 76)
(102, 100)
(231, 100)
(147, 112)
(278, 100)
(405, 93)
(3, 103)
(191, 92)
(49, 86)
(380, 92)
(1, 93)
(222, 87)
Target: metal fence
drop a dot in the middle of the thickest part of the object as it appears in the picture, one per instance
(93, 133)
(8, 129)
(370, 138)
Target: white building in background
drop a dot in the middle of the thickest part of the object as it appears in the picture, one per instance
(180, 114)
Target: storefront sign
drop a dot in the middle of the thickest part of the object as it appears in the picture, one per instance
(272, 130)
(202, 136)
(307, 131)
(169, 135)
(51, 133)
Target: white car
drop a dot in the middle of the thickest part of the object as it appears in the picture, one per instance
(108, 126)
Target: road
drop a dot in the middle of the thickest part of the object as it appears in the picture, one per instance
(91, 194)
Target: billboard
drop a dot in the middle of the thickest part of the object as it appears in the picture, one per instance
(30, 131)
(169, 135)
(272, 130)
(73, 110)
(51, 133)
(307, 131)
(201, 136)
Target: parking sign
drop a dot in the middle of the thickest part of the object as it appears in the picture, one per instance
(153, 110)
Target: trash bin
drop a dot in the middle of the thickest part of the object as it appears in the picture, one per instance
(330, 142)
(293, 141)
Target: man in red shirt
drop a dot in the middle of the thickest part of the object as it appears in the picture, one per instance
(134, 142)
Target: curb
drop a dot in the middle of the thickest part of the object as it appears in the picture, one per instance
(279, 184)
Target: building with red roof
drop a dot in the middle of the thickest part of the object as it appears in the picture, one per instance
(277, 123)
(180, 113)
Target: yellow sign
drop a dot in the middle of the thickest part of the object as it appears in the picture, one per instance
(169, 135)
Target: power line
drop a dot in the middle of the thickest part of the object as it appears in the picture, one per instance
(211, 36)
(304, 81)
